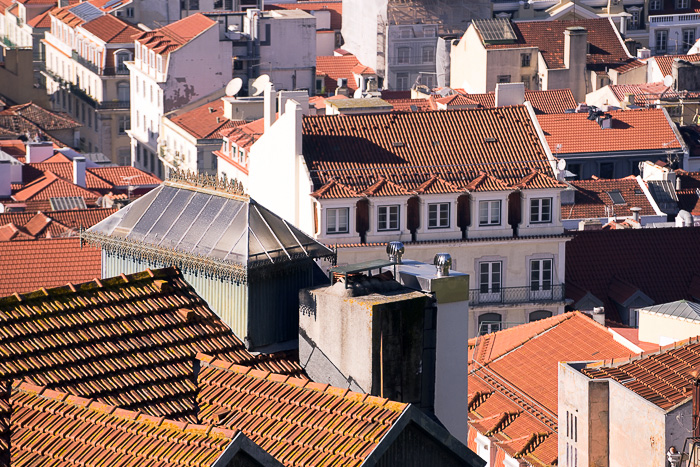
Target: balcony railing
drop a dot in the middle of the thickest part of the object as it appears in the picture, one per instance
(86, 63)
(660, 20)
(505, 295)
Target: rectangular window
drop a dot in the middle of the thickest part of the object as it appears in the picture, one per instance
(524, 60)
(688, 39)
(401, 81)
(388, 217)
(682, 4)
(607, 170)
(337, 220)
(403, 55)
(490, 277)
(540, 274)
(490, 212)
(655, 5)
(661, 41)
(541, 210)
(634, 19)
(526, 81)
(504, 78)
(123, 124)
(438, 215)
(428, 54)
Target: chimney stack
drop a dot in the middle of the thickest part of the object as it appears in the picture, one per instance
(635, 213)
(79, 171)
(39, 152)
(5, 178)
(575, 53)
(509, 94)
(599, 315)
(270, 105)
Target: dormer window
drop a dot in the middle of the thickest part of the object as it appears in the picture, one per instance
(541, 210)
(490, 212)
(388, 217)
(337, 220)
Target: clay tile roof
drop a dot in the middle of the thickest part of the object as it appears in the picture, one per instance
(404, 149)
(335, 8)
(605, 46)
(44, 119)
(296, 422)
(649, 93)
(64, 15)
(43, 20)
(246, 135)
(173, 36)
(632, 130)
(537, 181)
(663, 377)
(128, 341)
(665, 62)
(108, 5)
(592, 200)
(335, 67)
(60, 223)
(513, 390)
(11, 231)
(28, 265)
(410, 105)
(664, 272)
(52, 428)
(205, 121)
(552, 101)
(120, 176)
(631, 64)
(335, 189)
(111, 29)
(52, 186)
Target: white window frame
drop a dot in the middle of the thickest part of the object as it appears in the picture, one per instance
(490, 279)
(428, 54)
(337, 221)
(688, 36)
(388, 217)
(682, 4)
(403, 55)
(489, 212)
(438, 215)
(661, 36)
(542, 214)
(654, 5)
(541, 276)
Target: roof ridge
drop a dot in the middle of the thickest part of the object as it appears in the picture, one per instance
(302, 384)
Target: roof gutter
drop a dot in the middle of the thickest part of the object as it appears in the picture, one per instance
(647, 193)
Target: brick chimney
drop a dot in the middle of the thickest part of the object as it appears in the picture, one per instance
(79, 171)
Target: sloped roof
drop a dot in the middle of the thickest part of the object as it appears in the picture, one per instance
(123, 175)
(408, 149)
(173, 36)
(244, 136)
(205, 121)
(111, 29)
(54, 428)
(632, 130)
(663, 377)
(128, 341)
(649, 93)
(631, 64)
(43, 20)
(592, 200)
(30, 264)
(550, 101)
(335, 67)
(31, 119)
(663, 270)
(605, 46)
(55, 223)
(665, 62)
(679, 309)
(226, 230)
(410, 105)
(51, 186)
(508, 369)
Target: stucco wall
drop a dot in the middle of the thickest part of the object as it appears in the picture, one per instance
(574, 399)
(468, 63)
(360, 20)
(662, 330)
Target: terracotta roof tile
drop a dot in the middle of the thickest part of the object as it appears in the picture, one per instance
(173, 36)
(111, 29)
(120, 176)
(295, 421)
(663, 377)
(407, 150)
(665, 62)
(52, 186)
(335, 67)
(592, 200)
(595, 258)
(120, 341)
(50, 428)
(60, 223)
(246, 135)
(605, 47)
(32, 119)
(631, 64)
(410, 105)
(30, 264)
(647, 94)
(205, 121)
(632, 130)
(42, 21)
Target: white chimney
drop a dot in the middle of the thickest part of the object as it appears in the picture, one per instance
(599, 315)
(270, 105)
(635, 213)
(510, 94)
(5, 179)
(79, 171)
(39, 152)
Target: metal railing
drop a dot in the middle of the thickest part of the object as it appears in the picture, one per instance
(86, 63)
(666, 19)
(515, 295)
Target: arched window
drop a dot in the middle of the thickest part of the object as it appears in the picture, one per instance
(539, 314)
(123, 92)
(489, 322)
(121, 56)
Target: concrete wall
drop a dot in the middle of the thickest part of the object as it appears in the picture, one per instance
(17, 77)
(468, 63)
(360, 28)
(291, 51)
(591, 444)
(662, 330)
(679, 426)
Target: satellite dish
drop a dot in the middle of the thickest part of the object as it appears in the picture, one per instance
(668, 80)
(234, 86)
(357, 94)
(561, 164)
(260, 83)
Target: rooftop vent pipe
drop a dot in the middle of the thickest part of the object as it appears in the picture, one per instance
(395, 250)
(599, 315)
(443, 263)
(635, 213)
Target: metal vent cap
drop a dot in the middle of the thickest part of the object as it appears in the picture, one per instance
(395, 250)
(443, 263)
